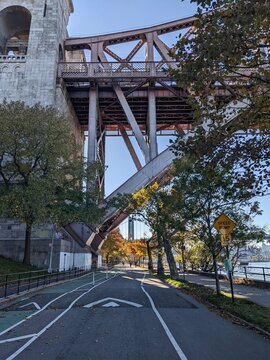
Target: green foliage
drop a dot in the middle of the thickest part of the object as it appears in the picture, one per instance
(203, 193)
(113, 249)
(41, 170)
(191, 250)
(225, 59)
(155, 206)
(8, 266)
(229, 41)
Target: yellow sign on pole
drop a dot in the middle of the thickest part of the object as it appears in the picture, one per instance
(224, 225)
(226, 239)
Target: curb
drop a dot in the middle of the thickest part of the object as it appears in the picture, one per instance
(222, 312)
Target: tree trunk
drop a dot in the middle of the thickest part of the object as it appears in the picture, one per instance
(170, 258)
(149, 254)
(216, 275)
(27, 244)
(183, 257)
(160, 267)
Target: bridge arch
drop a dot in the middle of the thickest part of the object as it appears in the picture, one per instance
(15, 24)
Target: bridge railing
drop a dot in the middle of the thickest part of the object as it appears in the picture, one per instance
(113, 69)
(13, 58)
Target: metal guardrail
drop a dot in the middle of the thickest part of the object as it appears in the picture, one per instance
(14, 284)
(113, 69)
(249, 272)
(258, 273)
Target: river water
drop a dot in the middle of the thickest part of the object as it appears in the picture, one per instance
(254, 270)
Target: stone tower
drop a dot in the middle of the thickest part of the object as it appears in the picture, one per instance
(32, 35)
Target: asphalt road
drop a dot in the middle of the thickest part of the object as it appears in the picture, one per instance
(129, 316)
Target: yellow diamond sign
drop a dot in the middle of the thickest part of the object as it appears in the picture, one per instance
(224, 225)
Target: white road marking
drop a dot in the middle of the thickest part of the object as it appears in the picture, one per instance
(142, 282)
(21, 349)
(17, 338)
(177, 348)
(111, 304)
(26, 298)
(31, 303)
(113, 299)
(48, 304)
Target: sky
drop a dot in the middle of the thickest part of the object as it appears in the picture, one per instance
(92, 17)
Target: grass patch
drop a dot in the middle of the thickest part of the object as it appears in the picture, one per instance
(246, 310)
(8, 266)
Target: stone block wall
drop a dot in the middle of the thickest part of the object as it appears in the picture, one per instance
(12, 246)
(33, 78)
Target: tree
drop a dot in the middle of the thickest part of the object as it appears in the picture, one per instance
(135, 251)
(203, 193)
(230, 40)
(41, 169)
(245, 234)
(113, 249)
(192, 251)
(154, 206)
(226, 58)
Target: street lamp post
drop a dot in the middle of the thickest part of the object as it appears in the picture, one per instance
(65, 262)
(51, 252)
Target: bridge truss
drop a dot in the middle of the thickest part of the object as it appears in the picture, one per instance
(115, 96)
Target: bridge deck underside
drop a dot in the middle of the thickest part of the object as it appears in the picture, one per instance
(172, 108)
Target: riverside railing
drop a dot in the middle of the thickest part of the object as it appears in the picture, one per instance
(14, 284)
(253, 273)
(259, 273)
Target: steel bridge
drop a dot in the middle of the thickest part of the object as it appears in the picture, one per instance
(115, 96)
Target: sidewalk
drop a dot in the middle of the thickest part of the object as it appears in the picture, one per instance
(258, 296)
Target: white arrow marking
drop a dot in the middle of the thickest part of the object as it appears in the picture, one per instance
(31, 303)
(111, 304)
(17, 338)
(113, 299)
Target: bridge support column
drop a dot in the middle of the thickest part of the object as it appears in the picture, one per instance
(152, 123)
(150, 56)
(150, 47)
(92, 125)
(101, 143)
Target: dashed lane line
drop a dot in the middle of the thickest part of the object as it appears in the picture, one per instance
(46, 306)
(36, 336)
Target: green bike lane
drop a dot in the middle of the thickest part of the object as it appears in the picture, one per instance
(19, 309)
(129, 316)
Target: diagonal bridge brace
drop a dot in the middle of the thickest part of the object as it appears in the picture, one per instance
(155, 171)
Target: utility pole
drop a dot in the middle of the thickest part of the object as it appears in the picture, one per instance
(51, 252)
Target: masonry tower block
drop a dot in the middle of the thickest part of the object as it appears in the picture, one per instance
(32, 36)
